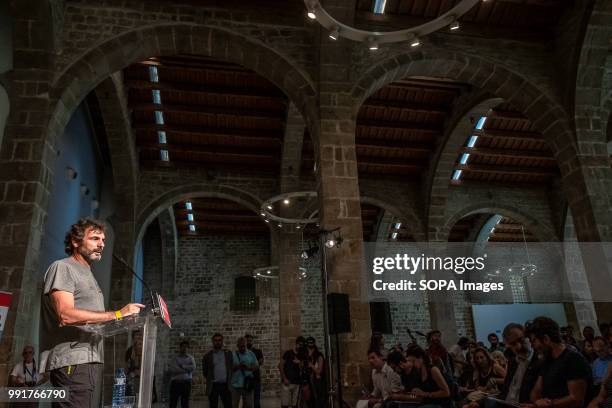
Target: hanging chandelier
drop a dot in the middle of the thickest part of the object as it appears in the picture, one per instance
(373, 39)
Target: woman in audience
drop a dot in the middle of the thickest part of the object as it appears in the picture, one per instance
(500, 358)
(604, 398)
(423, 380)
(488, 375)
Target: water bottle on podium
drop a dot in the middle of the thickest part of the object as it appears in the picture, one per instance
(119, 388)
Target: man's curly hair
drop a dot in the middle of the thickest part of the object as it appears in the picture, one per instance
(77, 232)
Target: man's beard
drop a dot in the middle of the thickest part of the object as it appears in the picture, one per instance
(90, 255)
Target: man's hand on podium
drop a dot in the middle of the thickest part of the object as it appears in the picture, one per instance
(131, 309)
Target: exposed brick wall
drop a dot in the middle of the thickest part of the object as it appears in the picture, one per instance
(204, 283)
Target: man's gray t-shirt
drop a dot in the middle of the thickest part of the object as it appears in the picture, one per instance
(70, 345)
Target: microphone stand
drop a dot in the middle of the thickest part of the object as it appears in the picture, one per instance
(154, 307)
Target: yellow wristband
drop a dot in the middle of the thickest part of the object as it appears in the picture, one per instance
(118, 315)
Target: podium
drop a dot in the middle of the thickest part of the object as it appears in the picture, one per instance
(149, 341)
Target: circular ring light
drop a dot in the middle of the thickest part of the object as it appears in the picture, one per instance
(338, 29)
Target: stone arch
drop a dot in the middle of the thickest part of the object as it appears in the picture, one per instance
(545, 112)
(405, 213)
(169, 197)
(82, 76)
(543, 232)
(591, 96)
(4, 111)
(445, 157)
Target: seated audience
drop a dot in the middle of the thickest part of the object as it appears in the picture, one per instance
(488, 375)
(420, 379)
(458, 354)
(604, 398)
(437, 352)
(588, 334)
(600, 364)
(384, 379)
(565, 376)
(523, 368)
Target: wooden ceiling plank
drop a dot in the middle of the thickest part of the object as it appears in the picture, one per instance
(416, 107)
(276, 133)
(406, 126)
(211, 110)
(516, 154)
(206, 89)
(525, 171)
(204, 149)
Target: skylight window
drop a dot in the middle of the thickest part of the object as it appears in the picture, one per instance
(190, 217)
(397, 225)
(159, 117)
(156, 96)
(379, 6)
(161, 136)
(464, 158)
(188, 205)
(164, 155)
(394, 235)
(457, 174)
(472, 142)
(481, 123)
(153, 76)
(192, 228)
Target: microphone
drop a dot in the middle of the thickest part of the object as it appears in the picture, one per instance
(124, 263)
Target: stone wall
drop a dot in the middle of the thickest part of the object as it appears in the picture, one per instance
(207, 268)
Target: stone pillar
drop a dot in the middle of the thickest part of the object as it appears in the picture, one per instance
(339, 199)
(25, 172)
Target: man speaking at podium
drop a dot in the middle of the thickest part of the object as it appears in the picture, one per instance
(72, 297)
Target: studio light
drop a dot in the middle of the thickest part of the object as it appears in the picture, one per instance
(415, 43)
(311, 14)
(286, 201)
(330, 243)
(310, 252)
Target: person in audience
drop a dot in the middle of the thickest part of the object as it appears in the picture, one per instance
(588, 352)
(604, 329)
(181, 368)
(567, 334)
(588, 334)
(437, 352)
(290, 369)
(494, 342)
(257, 375)
(421, 380)
(600, 364)
(243, 381)
(604, 398)
(523, 368)
(500, 358)
(565, 376)
(458, 355)
(217, 366)
(488, 375)
(316, 365)
(384, 379)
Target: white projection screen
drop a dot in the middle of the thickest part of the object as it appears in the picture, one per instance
(493, 318)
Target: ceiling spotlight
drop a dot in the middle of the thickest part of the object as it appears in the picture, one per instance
(330, 243)
(298, 226)
(454, 26)
(286, 201)
(372, 44)
(268, 272)
(279, 225)
(311, 13)
(334, 34)
(415, 43)
(269, 207)
(267, 221)
(263, 214)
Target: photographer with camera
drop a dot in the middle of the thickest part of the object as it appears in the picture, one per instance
(291, 373)
(25, 373)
